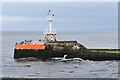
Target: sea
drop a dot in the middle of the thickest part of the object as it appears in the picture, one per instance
(57, 69)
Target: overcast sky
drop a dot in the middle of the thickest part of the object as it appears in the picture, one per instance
(69, 16)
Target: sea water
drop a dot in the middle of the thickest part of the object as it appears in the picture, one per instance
(57, 69)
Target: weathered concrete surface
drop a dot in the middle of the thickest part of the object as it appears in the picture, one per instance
(99, 56)
(52, 49)
(84, 54)
(70, 48)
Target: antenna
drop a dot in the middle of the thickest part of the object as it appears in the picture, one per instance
(50, 19)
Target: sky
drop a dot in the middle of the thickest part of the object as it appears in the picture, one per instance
(69, 16)
(60, 0)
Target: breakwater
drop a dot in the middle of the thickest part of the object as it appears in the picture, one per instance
(87, 54)
(100, 54)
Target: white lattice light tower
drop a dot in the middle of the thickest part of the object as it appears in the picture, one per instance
(50, 35)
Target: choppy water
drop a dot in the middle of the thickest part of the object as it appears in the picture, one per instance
(56, 69)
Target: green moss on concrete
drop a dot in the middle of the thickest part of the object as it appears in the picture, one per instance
(116, 51)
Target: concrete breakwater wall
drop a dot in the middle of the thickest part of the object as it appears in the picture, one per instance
(70, 48)
(52, 49)
(100, 54)
(84, 54)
